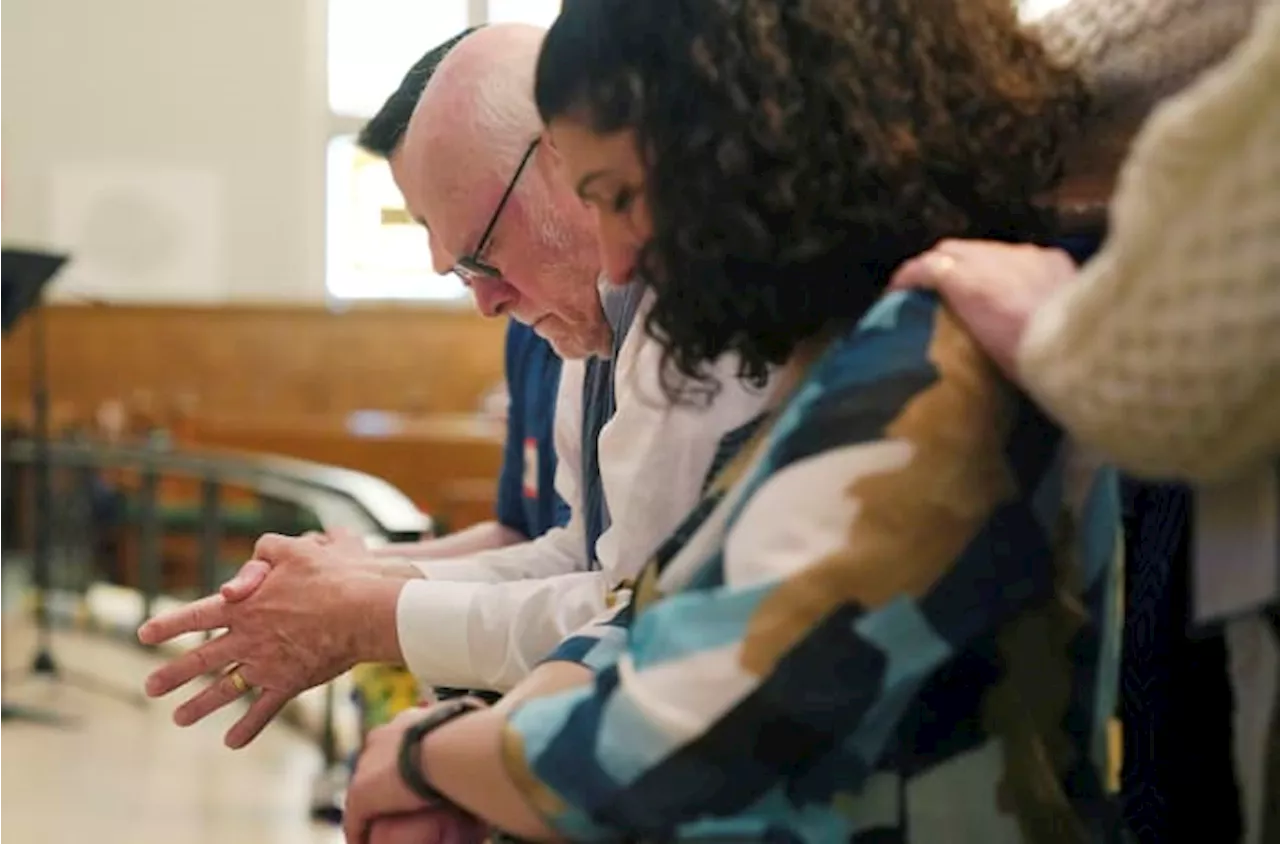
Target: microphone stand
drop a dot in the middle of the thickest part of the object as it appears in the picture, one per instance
(10, 712)
(44, 664)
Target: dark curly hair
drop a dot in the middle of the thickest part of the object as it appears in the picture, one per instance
(797, 152)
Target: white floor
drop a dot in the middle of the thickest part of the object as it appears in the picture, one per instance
(126, 775)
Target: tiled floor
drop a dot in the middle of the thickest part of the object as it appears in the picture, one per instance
(125, 775)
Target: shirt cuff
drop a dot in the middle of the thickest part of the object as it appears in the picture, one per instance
(432, 622)
(457, 569)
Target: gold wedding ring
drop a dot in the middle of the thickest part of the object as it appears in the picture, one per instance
(237, 680)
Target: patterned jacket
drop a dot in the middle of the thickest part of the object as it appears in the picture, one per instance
(888, 621)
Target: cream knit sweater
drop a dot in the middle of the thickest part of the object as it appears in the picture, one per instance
(1135, 53)
(1165, 353)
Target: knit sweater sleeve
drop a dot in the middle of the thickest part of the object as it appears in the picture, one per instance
(1166, 351)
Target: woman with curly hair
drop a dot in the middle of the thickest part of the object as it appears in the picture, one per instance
(894, 617)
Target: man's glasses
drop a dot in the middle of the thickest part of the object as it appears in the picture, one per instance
(470, 267)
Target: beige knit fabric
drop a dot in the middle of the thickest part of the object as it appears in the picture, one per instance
(1165, 353)
(1134, 53)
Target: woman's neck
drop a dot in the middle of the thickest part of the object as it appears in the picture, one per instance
(793, 372)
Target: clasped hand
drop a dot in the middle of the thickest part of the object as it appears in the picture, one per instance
(381, 809)
(293, 620)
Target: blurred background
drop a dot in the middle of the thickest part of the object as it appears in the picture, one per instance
(248, 337)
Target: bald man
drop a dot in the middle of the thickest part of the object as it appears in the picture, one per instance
(475, 174)
(527, 503)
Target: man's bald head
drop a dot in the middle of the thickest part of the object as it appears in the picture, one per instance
(472, 127)
(384, 131)
(478, 110)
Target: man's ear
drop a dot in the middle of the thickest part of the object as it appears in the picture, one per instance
(548, 160)
(546, 141)
(559, 183)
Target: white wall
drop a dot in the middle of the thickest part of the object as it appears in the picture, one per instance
(222, 102)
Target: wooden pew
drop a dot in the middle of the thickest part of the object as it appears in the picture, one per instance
(447, 464)
(261, 360)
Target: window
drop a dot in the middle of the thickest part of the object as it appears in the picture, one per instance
(373, 249)
(373, 42)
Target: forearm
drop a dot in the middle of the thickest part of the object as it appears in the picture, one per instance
(560, 550)
(546, 679)
(482, 537)
(1129, 363)
(464, 761)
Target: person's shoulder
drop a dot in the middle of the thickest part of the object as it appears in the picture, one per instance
(895, 336)
(905, 331)
(871, 373)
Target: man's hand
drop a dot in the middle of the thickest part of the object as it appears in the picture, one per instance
(252, 573)
(994, 288)
(311, 620)
(377, 795)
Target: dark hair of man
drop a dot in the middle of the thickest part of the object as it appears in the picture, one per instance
(796, 153)
(384, 131)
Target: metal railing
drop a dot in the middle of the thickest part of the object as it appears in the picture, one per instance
(329, 496)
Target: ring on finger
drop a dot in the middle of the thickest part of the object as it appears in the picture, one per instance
(238, 681)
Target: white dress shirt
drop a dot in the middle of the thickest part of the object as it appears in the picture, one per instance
(485, 620)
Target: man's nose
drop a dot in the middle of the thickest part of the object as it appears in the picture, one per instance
(494, 297)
